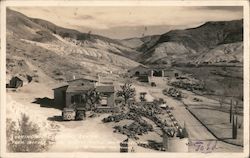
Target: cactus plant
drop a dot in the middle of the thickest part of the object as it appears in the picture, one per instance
(236, 107)
(234, 127)
(231, 111)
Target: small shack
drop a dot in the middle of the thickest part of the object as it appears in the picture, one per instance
(140, 70)
(17, 81)
(153, 71)
(171, 73)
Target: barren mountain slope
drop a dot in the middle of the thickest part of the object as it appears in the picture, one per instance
(140, 44)
(167, 52)
(195, 41)
(229, 53)
(61, 52)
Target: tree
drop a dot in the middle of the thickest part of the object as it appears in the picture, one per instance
(236, 108)
(88, 100)
(91, 98)
(231, 110)
(25, 136)
(126, 92)
(94, 97)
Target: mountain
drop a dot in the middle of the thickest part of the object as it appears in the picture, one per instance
(62, 53)
(140, 44)
(224, 53)
(185, 45)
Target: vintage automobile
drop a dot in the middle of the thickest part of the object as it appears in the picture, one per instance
(68, 114)
(80, 113)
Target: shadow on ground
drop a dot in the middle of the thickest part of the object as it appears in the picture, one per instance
(154, 145)
(55, 118)
(46, 103)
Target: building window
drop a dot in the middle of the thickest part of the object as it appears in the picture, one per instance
(72, 99)
(157, 73)
(176, 74)
(76, 99)
(104, 101)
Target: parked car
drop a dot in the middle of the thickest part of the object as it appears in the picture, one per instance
(68, 114)
(80, 113)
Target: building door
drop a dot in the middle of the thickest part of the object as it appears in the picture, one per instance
(80, 100)
(137, 73)
(157, 73)
(64, 98)
(104, 101)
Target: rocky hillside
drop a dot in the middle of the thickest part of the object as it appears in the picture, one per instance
(224, 53)
(186, 45)
(62, 53)
(140, 44)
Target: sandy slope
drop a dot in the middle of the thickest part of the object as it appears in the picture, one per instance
(89, 135)
(223, 53)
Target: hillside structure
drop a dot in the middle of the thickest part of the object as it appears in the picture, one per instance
(140, 70)
(153, 71)
(17, 81)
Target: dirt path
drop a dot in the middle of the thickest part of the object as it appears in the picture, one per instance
(89, 135)
(195, 129)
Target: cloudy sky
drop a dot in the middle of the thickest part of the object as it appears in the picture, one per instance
(127, 22)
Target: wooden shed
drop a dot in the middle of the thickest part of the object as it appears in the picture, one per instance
(17, 81)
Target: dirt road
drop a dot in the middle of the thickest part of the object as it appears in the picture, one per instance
(195, 129)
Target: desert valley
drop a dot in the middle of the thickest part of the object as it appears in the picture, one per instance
(181, 91)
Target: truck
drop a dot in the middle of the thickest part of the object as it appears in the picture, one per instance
(80, 113)
(68, 114)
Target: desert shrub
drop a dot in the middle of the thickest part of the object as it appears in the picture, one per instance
(57, 72)
(182, 133)
(161, 100)
(153, 84)
(25, 136)
(60, 79)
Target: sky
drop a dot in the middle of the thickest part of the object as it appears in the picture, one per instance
(127, 22)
